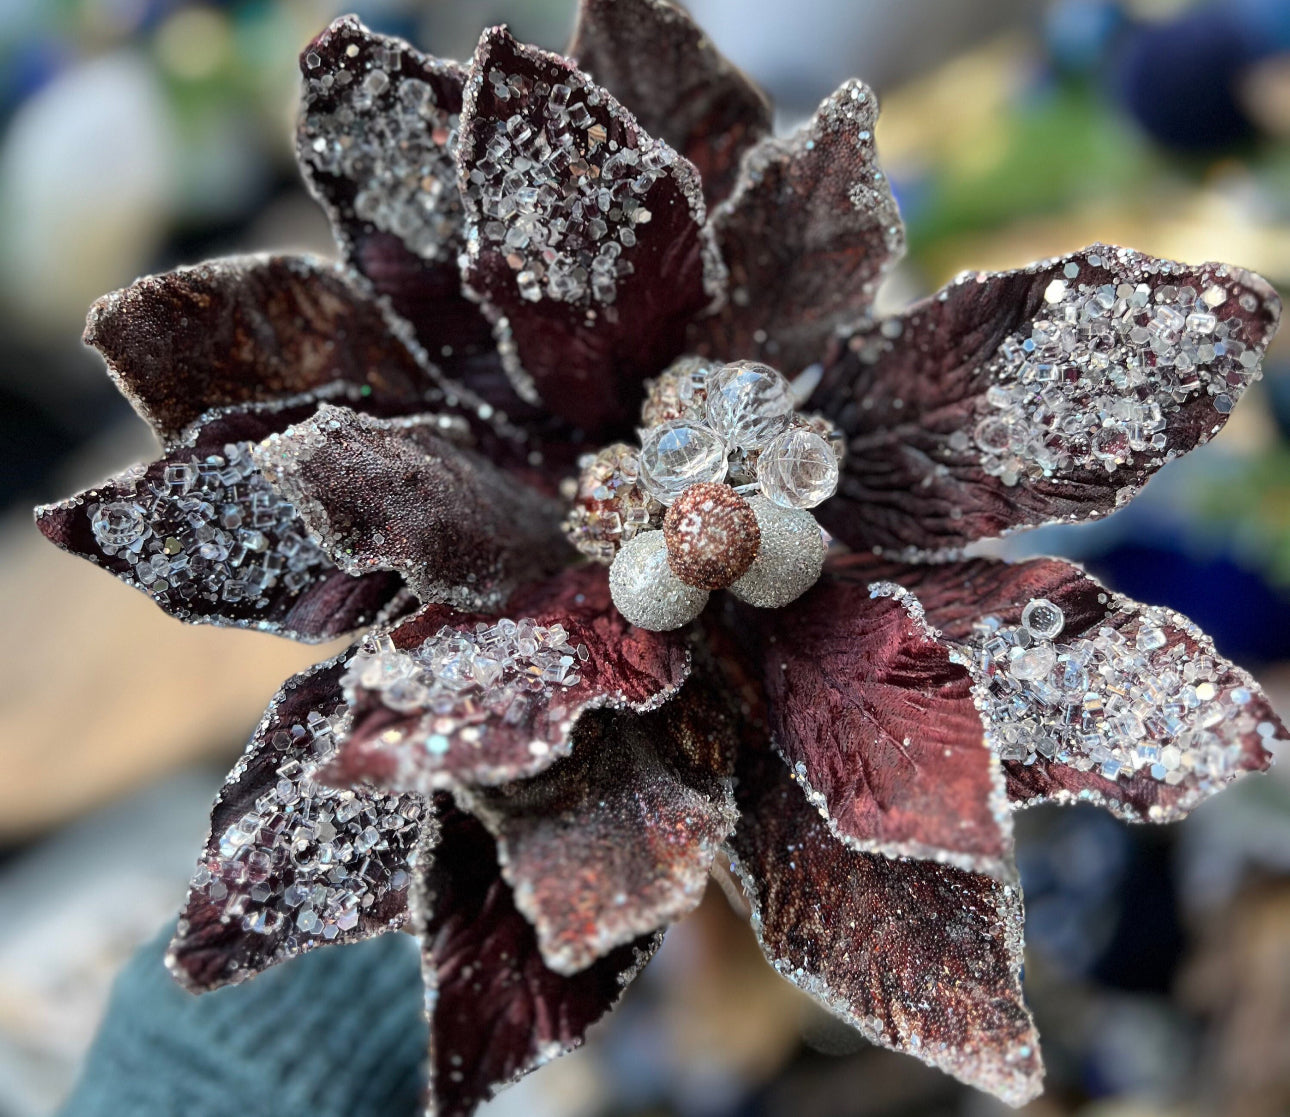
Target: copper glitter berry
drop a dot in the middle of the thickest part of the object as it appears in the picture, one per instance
(712, 536)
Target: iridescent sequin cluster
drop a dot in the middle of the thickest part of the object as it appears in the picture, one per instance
(394, 139)
(468, 677)
(1095, 378)
(1132, 700)
(307, 861)
(211, 529)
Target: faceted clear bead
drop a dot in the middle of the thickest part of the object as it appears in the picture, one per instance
(678, 454)
(748, 404)
(798, 469)
(1042, 619)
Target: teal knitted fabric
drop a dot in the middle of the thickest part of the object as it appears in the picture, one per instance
(337, 1033)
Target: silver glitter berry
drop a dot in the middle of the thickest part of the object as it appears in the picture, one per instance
(798, 469)
(679, 454)
(646, 591)
(789, 560)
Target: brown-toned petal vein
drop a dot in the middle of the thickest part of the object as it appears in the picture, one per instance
(1012, 399)
(879, 726)
(806, 235)
(1129, 706)
(662, 66)
(617, 839)
(921, 957)
(402, 495)
(247, 330)
(290, 865)
(585, 236)
(497, 1012)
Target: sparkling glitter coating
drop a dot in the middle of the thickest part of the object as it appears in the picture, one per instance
(569, 841)
(712, 536)
(807, 234)
(453, 525)
(206, 537)
(585, 236)
(940, 404)
(789, 560)
(939, 972)
(610, 506)
(507, 701)
(647, 591)
(291, 865)
(384, 123)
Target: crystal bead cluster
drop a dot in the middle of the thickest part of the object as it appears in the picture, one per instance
(1139, 698)
(394, 139)
(609, 506)
(1096, 376)
(303, 861)
(210, 529)
(557, 193)
(728, 470)
(466, 677)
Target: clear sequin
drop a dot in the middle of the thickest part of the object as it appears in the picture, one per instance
(1093, 379)
(209, 529)
(1125, 699)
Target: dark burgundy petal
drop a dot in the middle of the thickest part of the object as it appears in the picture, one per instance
(1137, 711)
(398, 495)
(807, 234)
(246, 330)
(921, 957)
(556, 175)
(879, 726)
(408, 734)
(291, 865)
(496, 1011)
(658, 62)
(203, 534)
(982, 409)
(617, 839)
(374, 147)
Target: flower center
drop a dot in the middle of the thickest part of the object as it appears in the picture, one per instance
(716, 496)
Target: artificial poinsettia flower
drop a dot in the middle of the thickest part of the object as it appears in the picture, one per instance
(591, 300)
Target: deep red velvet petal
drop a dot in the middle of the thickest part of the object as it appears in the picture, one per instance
(203, 534)
(291, 865)
(659, 63)
(496, 1011)
(807, 234)
(920, 957)
(247, 330)
(950, 409)
(879, 726)
(556, 175)
(397, 742)
(401, 495)
(1212, 713)
(617, 839)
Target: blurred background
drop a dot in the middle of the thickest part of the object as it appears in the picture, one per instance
(140, 134)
